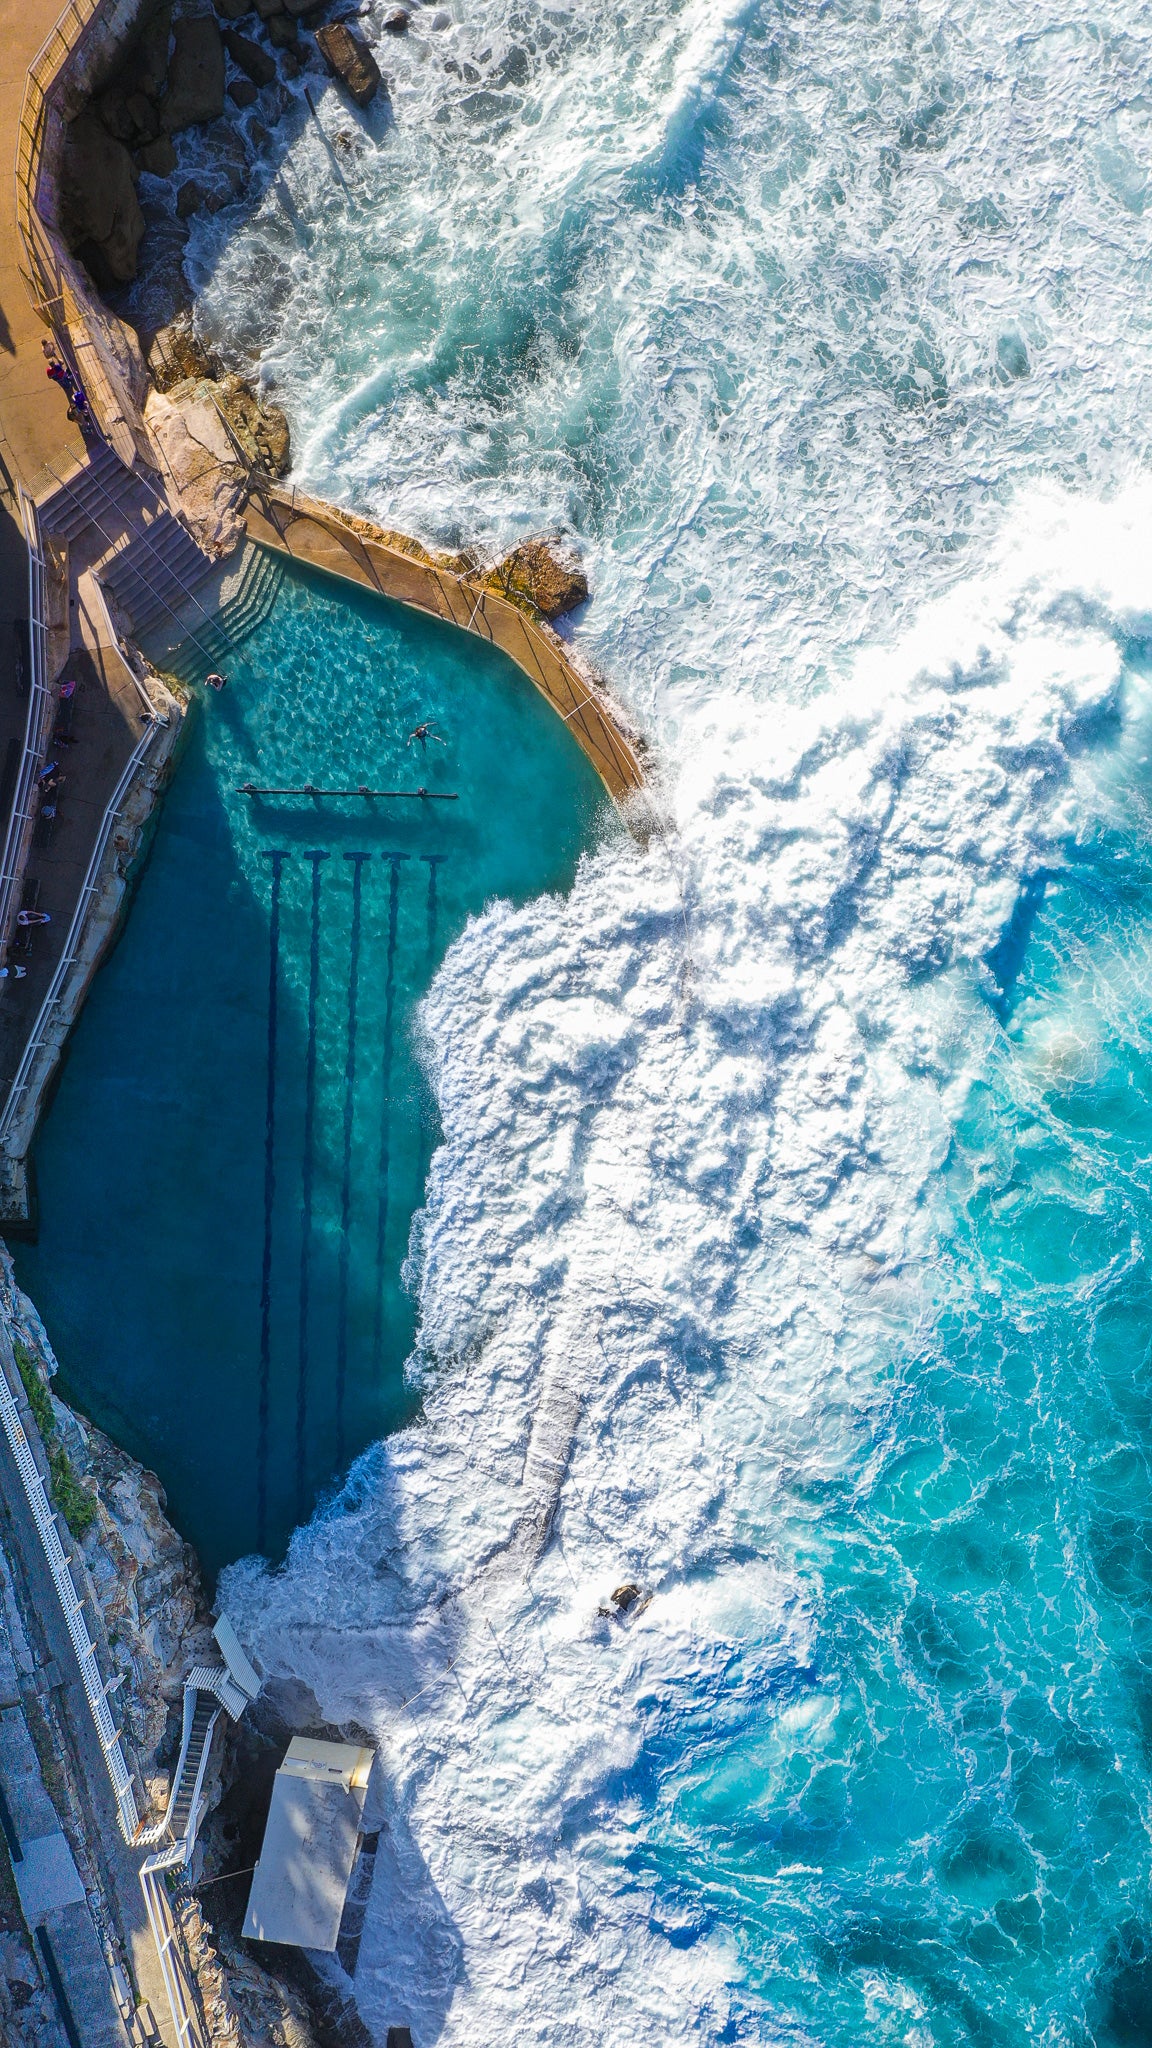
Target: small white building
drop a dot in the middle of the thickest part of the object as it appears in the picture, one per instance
(310, 1842)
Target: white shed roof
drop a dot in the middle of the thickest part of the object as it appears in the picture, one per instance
(310, 1839)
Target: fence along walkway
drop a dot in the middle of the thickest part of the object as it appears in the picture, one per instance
(41, 1030)
(40, 709)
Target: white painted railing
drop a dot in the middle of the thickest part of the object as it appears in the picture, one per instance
(36, 723)
(107, 1733)
(70, 954)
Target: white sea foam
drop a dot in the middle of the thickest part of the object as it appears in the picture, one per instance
(676, 1233)
(780, 318)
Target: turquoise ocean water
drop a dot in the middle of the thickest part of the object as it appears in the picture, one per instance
(784, 1249)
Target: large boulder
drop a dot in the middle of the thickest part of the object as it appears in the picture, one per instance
(100, 215)
(547, 573)
(255, 62)
(205, 478)
(351, 61)
(195, 75)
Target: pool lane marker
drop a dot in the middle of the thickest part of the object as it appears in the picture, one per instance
(433, 860)
(394, 860)
(277, 856)
(358, 860)
(315, 856)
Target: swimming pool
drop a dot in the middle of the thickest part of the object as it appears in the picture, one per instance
(229, 1169)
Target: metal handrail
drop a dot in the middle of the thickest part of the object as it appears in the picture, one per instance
(107, 1734)
(71, 944)
(189, 2033)
(12, 863)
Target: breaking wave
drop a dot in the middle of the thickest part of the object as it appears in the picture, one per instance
(783, 1256)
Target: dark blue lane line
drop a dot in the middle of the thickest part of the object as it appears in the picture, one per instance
(306, 1190)
(433, 860)
(358, 860)
(394, 860)
(277, 857)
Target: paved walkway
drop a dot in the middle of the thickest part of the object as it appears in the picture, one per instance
(34, 424)
(38, 444)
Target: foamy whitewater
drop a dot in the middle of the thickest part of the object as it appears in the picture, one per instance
(785, 1251)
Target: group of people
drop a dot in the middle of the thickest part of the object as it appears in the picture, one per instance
(50, 779)
(59, 373)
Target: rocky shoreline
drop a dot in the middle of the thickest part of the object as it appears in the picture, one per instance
(178, 121)
(147, 1613)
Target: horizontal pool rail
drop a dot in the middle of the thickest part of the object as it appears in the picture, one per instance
(440, 796)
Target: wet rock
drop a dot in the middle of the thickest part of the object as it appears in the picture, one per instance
(189, 199)
(267, 8)
(547, 573)
(195, 75)
(242, 92)
(627, 1599)
(100, 215)
(290, 63)
(351, 61)
(157, 158)
(233, 10)
(396, 23)
(250, 58)
(283, 31)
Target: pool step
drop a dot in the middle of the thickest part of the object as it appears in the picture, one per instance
(245, 602)
(250, 603)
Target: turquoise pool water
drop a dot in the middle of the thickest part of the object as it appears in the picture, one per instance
(229, 1169)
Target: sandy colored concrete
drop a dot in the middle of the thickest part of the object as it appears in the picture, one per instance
(314, 532)
(34, 424)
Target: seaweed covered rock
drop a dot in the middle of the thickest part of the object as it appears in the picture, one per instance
(261, 429)
(175, 354)
(100, 215)
(547, 572)
(351, 61)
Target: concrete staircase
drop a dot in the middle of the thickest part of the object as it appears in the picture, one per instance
(83, 499)
(243, 602)
(188, 1776)
(156, 573)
